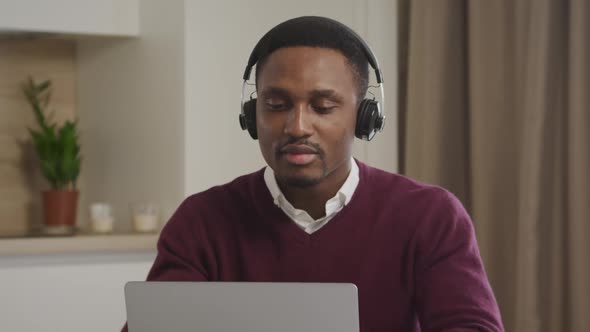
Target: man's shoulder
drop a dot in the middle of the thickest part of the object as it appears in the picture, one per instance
(398, 184)
(214, 207)
(406, 193)
(418, 207)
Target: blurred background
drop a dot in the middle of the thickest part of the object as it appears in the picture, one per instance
(485, 98)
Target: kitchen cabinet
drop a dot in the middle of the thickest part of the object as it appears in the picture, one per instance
(70, 17)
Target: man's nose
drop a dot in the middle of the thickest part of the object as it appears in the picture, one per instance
(299, 122)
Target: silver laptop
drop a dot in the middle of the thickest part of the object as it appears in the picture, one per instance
(241, 307)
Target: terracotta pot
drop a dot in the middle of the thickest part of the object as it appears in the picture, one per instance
(59, 207)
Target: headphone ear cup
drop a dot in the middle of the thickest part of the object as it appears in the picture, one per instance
(248, 119)
(368, 119)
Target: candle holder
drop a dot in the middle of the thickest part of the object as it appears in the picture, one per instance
(101, 218)
(145, 217)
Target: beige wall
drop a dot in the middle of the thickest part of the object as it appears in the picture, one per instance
(20, 179)
(131, 101)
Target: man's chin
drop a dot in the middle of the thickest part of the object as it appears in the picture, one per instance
(301, 177)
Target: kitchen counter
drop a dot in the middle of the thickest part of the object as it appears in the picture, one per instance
(79, 243)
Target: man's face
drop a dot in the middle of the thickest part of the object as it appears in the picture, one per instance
(306, 114)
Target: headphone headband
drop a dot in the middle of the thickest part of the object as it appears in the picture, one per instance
(262, 45)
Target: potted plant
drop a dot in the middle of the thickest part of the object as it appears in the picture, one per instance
(58, 150)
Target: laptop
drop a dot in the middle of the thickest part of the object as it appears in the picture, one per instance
(241, 307)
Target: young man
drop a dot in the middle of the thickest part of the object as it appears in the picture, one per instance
(317, 215)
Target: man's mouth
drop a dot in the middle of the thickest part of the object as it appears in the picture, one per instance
(299, 154)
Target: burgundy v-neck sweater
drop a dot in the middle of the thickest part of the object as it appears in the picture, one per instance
(410, 248)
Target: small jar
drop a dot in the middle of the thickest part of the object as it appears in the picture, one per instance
(144, 217)
(101, 219)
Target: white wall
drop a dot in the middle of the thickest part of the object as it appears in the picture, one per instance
(219, 38)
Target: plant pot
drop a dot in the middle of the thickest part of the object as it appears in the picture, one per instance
(59, 207)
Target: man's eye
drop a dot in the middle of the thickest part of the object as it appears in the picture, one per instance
(275, 106)
(323, 109)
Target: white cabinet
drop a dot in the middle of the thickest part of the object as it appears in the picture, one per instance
(84, 17)
(68, 292)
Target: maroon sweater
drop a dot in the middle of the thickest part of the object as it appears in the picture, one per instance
(410, 249)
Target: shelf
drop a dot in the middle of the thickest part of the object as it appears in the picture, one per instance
(78, 244)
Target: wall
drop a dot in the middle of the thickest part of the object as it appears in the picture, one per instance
(381, 33)
(131, 104)
(20, 178)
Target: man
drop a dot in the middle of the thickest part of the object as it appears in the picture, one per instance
(317, 215)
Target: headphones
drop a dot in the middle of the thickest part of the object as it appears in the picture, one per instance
(369, 119)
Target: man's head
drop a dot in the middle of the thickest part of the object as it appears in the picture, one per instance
(311, 75)
(319, 32)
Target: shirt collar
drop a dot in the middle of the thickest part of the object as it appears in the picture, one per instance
(342, 197)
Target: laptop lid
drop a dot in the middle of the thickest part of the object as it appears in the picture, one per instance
(241, 306)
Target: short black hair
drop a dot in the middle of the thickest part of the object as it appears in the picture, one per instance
(315, 31)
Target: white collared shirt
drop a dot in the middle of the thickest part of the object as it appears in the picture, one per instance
(333, 205)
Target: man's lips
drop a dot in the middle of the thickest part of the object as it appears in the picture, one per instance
(298, 149)
(299, 154)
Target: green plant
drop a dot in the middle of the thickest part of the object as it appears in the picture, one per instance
(57, 147)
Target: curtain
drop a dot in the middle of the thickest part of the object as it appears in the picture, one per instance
(495, 107)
